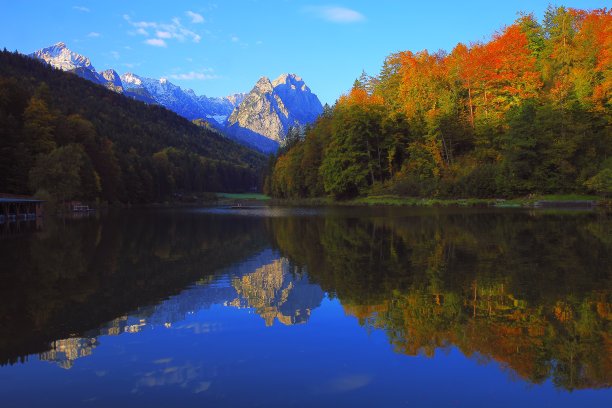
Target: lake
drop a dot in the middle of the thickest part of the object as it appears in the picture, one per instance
(329, 307)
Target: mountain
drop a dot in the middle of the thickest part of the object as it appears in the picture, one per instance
(60, 57)
(272, 107)
(259, 119)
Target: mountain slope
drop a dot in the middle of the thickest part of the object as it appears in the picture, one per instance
(155, 151)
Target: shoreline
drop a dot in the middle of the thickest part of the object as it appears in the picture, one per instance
(543, 201)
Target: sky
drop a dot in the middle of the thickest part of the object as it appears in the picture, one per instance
(222, 47)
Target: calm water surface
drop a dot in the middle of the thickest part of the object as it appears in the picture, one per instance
(305, 308)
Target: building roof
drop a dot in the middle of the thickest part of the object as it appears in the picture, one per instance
(18, 200)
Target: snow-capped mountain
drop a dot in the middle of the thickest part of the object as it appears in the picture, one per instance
(60, 57)
(259, 119)
(184, 102)
(272, 107)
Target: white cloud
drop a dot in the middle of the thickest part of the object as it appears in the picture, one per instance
(93, 34)
(163, 34)
(194, 75)
(335, 14)
(195, 17)
(156, 42)
(163, 31)
(115, 54)
(81, 9)
(235, 38)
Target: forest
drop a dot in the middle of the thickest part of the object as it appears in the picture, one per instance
(527, 112)
(66, 138)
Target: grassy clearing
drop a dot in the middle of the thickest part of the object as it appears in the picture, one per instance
(421, 202)
(243, 196)
(393, 200)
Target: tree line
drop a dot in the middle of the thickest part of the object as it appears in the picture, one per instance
(72, 139)
(526, 112)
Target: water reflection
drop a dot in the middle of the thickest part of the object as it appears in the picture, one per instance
(530, 291)
(76, 276)
(264, 283)
(277, 293)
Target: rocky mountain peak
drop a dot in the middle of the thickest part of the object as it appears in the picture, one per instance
(131, 79)
(59, 56)
(292, 80)
(111, 76)
(263, 86)
(271, 108)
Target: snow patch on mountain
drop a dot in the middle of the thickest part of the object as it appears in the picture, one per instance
(60, 57)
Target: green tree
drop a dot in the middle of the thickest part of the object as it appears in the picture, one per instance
(59, 172)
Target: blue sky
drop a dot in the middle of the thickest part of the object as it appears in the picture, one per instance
(221, 47)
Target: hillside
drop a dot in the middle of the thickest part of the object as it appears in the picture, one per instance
(122, 149)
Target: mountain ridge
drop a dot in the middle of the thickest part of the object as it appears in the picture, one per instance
(261, 122)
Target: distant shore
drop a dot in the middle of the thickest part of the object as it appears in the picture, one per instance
(538, 201)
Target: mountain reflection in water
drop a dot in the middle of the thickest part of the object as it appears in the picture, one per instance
(271, 290)
(529, 291)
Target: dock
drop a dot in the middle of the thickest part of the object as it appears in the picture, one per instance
(15, 208)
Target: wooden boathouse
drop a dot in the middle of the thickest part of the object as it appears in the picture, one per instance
(19, 208)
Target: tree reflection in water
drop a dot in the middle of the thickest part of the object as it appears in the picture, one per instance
(531, 291)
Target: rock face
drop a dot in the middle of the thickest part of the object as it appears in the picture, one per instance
(60, 57)
(112, 80)
(259, 119)
(110, 75)
(273, 106)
